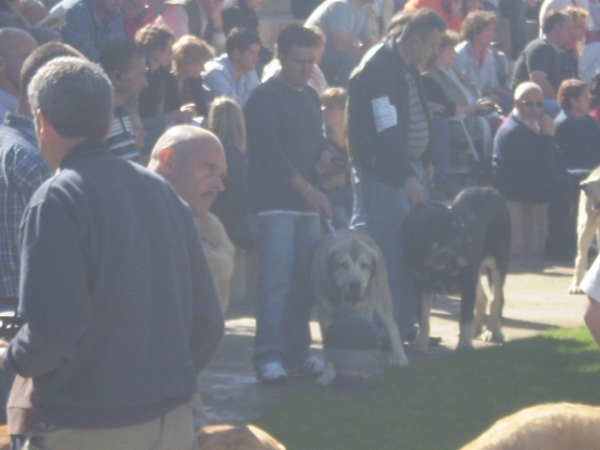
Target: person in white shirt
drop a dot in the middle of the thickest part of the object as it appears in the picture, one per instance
(234, 73)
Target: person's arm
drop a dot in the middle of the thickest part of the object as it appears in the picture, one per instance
(54, 288)
(339, 23)
(592, 319)
(208, 325)
(339, 40)
(538, 66)
(176, 19)
(541, 80)
(219, 83)
(78, 31)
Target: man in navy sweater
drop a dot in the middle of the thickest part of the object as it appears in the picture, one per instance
(285, 141)
(528, 167)
(120, 306)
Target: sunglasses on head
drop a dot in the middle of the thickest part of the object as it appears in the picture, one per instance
(530, 104)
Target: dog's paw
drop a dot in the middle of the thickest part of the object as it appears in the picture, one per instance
(326, 379)
(575, 290)
(397, 360)
(490, 336)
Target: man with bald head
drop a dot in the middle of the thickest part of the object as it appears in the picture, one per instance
(528, 167)
(193, 161)
(15, 46)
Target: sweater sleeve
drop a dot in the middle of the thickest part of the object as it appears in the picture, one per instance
(57, 311)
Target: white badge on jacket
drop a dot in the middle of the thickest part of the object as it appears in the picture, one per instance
(385, 113)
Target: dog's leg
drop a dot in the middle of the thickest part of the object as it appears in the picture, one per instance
(421, 342)
(324, 321)
(398, 357)
(469, 278)
(480, 308)
(494, 333)
(585, 236)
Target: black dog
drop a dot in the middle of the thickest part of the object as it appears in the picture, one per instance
(447, 248)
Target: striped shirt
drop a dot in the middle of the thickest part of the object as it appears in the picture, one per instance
(121, 140)
(418, 130)
(22, 171)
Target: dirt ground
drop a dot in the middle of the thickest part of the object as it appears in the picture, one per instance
(536, 299)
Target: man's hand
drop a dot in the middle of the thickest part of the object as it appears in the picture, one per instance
(185, 114)
(429, 172)
(414, 190)
(324, 165)
(435, 108)
(319, 201)
(547, 125)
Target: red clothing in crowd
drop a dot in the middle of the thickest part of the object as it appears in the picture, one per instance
(132, 24)
(442, 7)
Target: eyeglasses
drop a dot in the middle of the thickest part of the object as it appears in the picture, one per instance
(531, 104)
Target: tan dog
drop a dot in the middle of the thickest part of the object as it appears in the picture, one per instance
(551, 426)
(588, 224)
(220, 253)
(349, 275)
(229, 437)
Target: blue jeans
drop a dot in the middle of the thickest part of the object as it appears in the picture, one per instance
(337, 67)
(285, 243)
(441, 147)
(380, 210)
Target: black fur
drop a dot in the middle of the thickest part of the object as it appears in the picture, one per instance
(476, 226)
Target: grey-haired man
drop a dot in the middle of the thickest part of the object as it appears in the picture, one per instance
(120, 306)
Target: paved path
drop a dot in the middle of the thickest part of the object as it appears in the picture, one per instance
(536, 299)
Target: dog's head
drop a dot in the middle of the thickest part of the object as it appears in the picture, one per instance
(436, 246)
(351, 264)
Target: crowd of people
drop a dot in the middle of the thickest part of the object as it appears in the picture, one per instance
(352, 119)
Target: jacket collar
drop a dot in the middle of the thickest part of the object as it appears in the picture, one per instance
(85, 148)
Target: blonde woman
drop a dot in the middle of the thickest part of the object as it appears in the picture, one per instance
(226, 120)
(190, 54)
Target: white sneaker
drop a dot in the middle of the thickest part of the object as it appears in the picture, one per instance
(312, 367)
(272, 372)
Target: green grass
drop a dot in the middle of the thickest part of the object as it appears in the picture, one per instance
(442, 403)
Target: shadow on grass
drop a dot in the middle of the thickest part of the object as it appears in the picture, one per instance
(443, 403)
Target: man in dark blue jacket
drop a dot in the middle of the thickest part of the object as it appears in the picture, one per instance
(120, 306)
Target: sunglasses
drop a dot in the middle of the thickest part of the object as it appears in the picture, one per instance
(530, 104)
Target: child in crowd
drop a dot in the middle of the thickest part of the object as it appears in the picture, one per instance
(334, 165)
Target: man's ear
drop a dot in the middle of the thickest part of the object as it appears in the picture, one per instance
(166, 160)
(45, 128)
